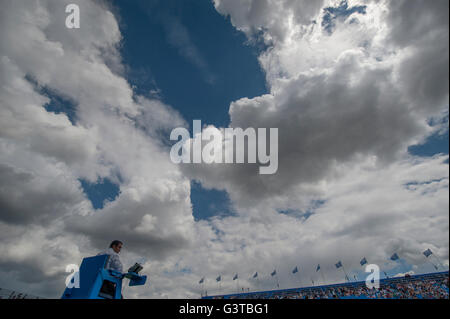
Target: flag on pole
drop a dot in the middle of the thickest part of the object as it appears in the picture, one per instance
(219, 278)
(255, 275)
(201, 280)
(318, 268)
(363, 261)
(274, 273)
(295, 270)
(428, 253)
(339, 265)
(395, 257)
(235, 277)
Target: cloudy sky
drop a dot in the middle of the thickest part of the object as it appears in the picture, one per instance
(358, 90)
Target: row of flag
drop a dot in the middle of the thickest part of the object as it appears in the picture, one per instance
(427, 253)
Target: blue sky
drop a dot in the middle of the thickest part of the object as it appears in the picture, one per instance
(228, 70)
(332, 76)
(199, 64)
(217, 69)
(435, 144)
(342, 11)
(224, 69)
(221, 68)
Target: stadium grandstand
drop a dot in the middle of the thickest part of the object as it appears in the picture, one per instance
(425, 286)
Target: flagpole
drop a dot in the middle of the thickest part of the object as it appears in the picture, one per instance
(346, 276)
(439, 261)
(323, 277)
(274, 274)
(300, 279)
(219, 283)
(435, 266)
(278, 284)
(429, 261)
(201, 282)
(257, 279)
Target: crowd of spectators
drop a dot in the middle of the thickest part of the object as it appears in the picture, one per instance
(431, 287)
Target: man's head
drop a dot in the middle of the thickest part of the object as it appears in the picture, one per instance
(116, 245)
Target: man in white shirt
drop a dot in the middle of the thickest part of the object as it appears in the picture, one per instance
(113, 251)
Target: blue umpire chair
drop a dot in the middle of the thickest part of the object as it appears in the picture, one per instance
(96, 282)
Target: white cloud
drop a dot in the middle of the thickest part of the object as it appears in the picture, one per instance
(337, 97)
(276, 19)
(117, 135)
(347, 106)
(357, 219)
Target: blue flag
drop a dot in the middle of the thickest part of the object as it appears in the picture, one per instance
(201, 280)
(428, 253)
(395, 257)
(363, 261)
(235, 277)
(219, 278)
(339, 265)
(318, 268)
(255, 275)
(273, 273)
(295, 270)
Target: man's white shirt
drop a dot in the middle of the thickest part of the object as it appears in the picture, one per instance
(113, 261)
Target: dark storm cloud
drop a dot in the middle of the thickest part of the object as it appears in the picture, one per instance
(423, 27)
(25, 199)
